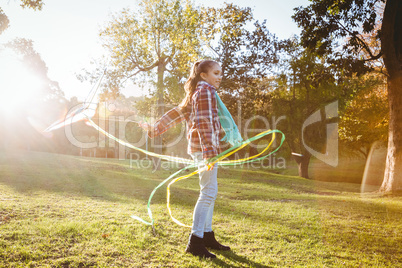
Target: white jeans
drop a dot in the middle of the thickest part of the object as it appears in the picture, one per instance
(202, 217)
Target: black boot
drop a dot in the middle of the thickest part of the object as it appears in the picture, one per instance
(197, 248)
(210, 242)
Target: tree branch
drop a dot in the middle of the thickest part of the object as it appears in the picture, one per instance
(141, 69)
(362, 43)
(213, 50)
(363, 152)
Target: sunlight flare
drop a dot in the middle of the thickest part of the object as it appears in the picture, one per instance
(18, 84)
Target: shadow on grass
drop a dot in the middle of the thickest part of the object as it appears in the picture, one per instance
(31, 172)
(240, 261)
(291, 187)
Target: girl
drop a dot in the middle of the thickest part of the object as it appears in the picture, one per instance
(199, 109)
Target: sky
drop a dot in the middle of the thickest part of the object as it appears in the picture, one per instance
(65, 33)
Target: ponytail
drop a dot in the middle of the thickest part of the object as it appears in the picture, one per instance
(201, 66)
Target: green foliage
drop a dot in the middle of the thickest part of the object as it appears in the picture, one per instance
(305, 84)
(162, 35)
(33, 4)
(243, 54)
(365, 118)
(225, 35)
(336, 28)
(4, 21)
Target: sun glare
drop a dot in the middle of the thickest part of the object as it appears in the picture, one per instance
(17, 84)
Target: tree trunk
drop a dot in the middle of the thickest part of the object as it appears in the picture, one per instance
(392, 182)
(303, 162)
(391, 45)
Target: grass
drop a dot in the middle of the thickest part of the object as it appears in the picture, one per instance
(66, 211)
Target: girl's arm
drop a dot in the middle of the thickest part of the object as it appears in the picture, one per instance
(168, 120)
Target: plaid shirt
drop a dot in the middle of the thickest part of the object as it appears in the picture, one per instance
(203, 125)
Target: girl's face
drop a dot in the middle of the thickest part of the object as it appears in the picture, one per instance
(213, 76)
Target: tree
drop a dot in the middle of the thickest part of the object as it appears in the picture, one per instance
(162, 36)
(304, 85)
(245, 55)
(225, 35)
(32, 4)
(37, 100)
(253, 62)
(326, 22)
(365, 118)
(4, 22)
(34, 62)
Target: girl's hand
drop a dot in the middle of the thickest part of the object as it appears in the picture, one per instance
(145, 126)
(210, 167)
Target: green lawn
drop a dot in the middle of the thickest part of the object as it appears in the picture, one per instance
(65, 211)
